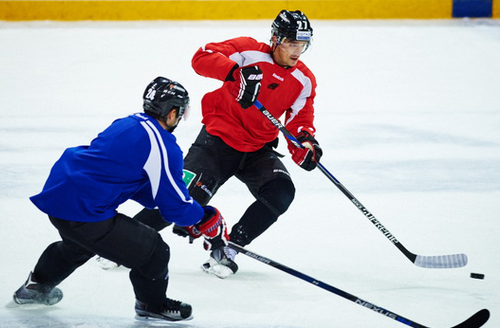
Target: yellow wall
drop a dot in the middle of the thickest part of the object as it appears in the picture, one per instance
(211, 9)
(496, 8)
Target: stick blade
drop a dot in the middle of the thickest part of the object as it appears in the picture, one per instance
(441, 261)
(477, 320)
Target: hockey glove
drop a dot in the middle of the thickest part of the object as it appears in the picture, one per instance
(182, 231)
(212, 227)
(307, 157)
(247, 85)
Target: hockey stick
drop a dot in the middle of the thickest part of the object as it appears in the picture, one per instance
(435, 262)
(477, 320)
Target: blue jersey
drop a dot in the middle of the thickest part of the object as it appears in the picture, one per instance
(134, 158)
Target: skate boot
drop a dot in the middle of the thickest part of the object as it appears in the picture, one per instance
(34, 293)
(171, 311)
(106, 264)
(221, 262)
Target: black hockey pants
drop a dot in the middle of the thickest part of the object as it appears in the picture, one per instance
(120, 239)
(210, 162)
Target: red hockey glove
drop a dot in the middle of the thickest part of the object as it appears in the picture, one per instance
(191, 231)
(247, 85)
(213, 228)
(307, 157)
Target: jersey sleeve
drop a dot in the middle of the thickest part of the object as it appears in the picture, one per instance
(215, 60)
(301, 120)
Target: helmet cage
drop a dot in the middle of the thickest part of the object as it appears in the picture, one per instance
(163, 95)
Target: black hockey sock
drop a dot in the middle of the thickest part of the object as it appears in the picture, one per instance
(150, 280)
(151, 292)
(274, 199)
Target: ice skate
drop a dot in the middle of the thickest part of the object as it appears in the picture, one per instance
(221, 263)
(32, 292)
(171, 311)
(106, 264)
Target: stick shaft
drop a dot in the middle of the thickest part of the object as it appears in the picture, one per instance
(326, 286)
(441, 261)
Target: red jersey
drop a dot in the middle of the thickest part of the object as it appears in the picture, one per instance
(288, 91)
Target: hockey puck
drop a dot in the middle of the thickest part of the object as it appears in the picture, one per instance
(477, 275)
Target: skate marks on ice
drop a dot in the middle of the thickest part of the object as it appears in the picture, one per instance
(51, 316)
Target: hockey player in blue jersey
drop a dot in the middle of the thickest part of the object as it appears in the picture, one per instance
(135, 158)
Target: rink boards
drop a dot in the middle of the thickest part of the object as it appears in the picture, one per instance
(22, 10)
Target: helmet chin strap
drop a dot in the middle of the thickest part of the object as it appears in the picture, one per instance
(171, 128)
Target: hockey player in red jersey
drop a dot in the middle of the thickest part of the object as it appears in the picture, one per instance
(237, 140)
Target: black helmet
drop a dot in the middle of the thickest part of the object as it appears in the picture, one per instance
(292, 25)
(162, 95)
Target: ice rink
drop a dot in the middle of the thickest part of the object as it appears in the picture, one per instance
(408, 116)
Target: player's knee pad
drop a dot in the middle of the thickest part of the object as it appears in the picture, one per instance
(156, 267)
(273, 200)
(277, 194)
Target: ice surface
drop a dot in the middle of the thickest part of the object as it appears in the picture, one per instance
(408, 115)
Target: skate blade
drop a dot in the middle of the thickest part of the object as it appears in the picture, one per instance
(27, 305)
(160, 321)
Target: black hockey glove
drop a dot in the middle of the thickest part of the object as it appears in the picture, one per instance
(183, 232)
(247, 85)
(180, 231)
(307, 157)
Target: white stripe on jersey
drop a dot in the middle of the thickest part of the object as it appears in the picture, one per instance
(250, 57)
(206, 50)
(153, 167)
(153, 164)
(304, 94)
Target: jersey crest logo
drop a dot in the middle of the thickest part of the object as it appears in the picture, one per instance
(273, 86)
